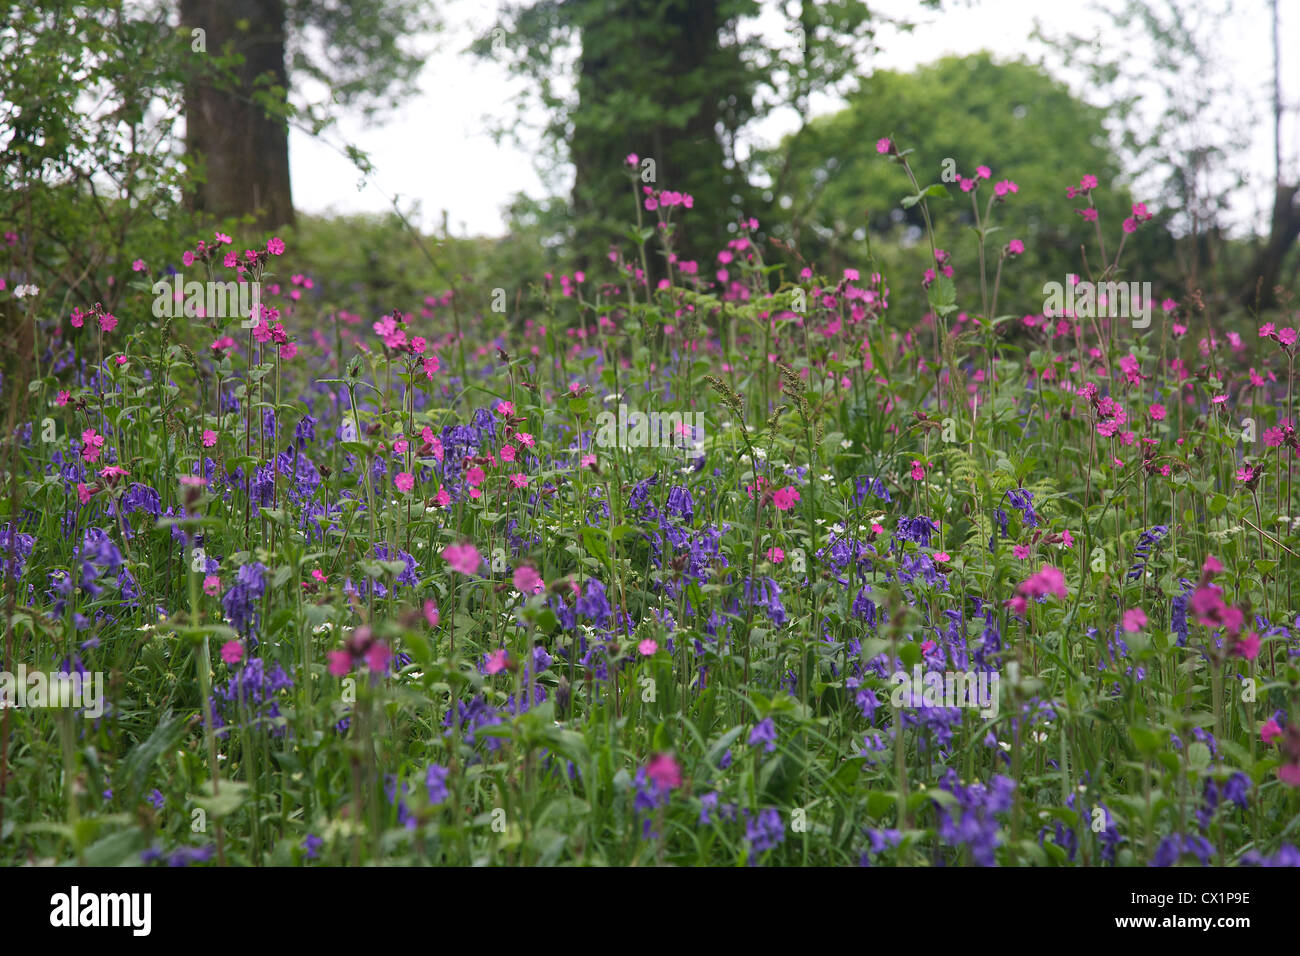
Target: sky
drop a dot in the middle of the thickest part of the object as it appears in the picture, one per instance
(435, 149)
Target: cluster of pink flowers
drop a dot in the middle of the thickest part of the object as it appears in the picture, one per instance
(1140, 215)
(1285, 337)
(463, 557)
(785, 498)
(361, 645)
(1211, 611)
(666, 199)
(1047, 580)
(92, 444)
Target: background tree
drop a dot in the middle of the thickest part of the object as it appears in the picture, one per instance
(1189, 154)
(249, 54)
(681, 82)
(1012, 117)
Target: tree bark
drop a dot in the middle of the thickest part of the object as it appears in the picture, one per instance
(1262, 276)
(688, 154)
(245, 150)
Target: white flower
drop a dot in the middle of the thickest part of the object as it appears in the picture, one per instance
(22, 291)
(846, 444)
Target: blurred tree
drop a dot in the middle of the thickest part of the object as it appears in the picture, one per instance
(248, 54)
(1184, 124)
(676, 81)
(1011, 117)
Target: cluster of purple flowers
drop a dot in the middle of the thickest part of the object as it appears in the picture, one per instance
(181, 856)
(240, 601)
(973, 823)
(1142, 552)
(253, 687)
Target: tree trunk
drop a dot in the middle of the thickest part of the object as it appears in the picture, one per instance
(245, 150)
(1263, 273)
(665, 54)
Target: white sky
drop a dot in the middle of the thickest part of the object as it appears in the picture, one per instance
(436, 150)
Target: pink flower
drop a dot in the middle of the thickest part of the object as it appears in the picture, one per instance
(442, 499)
(209, 438)
(112, 472)
(1247, 647)
(587, 461)
(1015, 247)
(785, 498)
(474, 477)
(1088, 182)
(91, 445)
(319, 575)
(138, 266)
(883, 145)
(519, 480)
(340, 663)
(1067, 539)
(665, 771)
(1004, 187)
(463, 558)
(497, 661)
(232, 652)
(1157, 412)
(212, 585)
(647, 647)
(1020, 551)
(942, 556)
(632, 159)
(1211, 565)
(918, 471)
(1289, 773)
(431, 613)
(1048, 580)
(377, 656)
(1287, 336)
(1089, 215)
(63, 399)
(526, 439)
(1270, 731)
(983, 172)
(528, 581)
(405, 481)
(1134, 620)
(1129, 225)
(84, 492)
(775, 555)
(275, 246)
(505, 408)
(1245, 474)
(508, 453)
(107, 322)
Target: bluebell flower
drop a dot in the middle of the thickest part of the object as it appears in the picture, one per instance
(764, 732)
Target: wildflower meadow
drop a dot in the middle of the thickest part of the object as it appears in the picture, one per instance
(712, 558)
